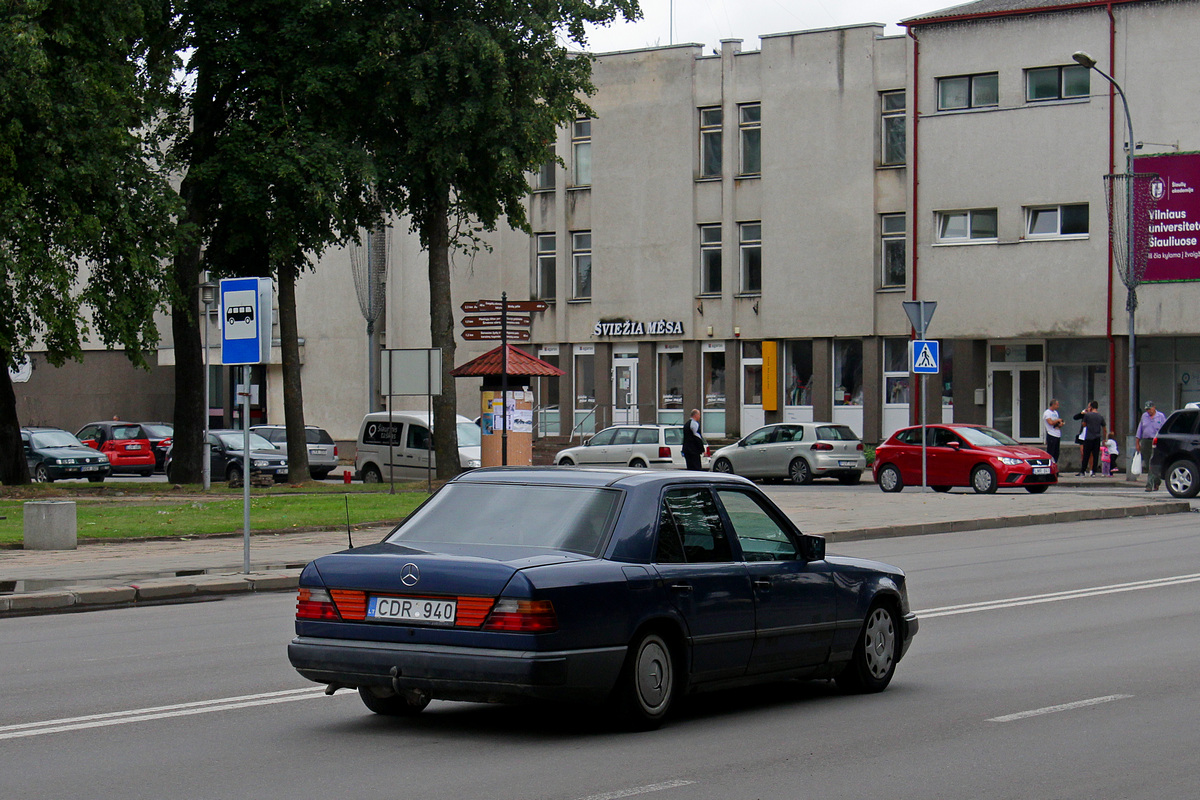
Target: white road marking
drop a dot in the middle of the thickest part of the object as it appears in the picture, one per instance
(653, 787)
(27, 729)
(1053, 597)
(1037, 712)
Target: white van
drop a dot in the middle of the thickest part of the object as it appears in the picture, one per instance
(398, 444)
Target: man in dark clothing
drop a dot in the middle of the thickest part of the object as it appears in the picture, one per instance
(693, 441)
(1095, 431)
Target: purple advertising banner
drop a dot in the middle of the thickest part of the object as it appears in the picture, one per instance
(1173, 227)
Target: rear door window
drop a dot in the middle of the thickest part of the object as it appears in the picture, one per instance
(624, 436)
(646, 436)
(690, 529)
(1184, 422)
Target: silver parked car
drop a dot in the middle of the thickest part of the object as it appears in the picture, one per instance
(799, 451)
(322, 452)
(638, 446)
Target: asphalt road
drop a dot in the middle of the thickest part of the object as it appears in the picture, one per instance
(1052, 662)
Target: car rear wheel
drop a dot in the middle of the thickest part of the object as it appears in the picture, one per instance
(391, 704)
(800, 472)
(371, 474)
(647, 684)
(983, 479)
(723, 465)
(566, 462)
(874, 660)
(1036, 489)
(889, 479)
(1183, 479)
(637, 463)
(41, 475)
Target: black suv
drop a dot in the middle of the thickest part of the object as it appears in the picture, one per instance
(1176, 456)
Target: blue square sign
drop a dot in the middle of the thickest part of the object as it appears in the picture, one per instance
(245, 321)
(925, 357)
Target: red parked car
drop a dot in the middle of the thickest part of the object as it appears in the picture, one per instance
(125, 443)
(963, 455)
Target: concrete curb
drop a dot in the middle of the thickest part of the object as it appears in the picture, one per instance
(87, 598)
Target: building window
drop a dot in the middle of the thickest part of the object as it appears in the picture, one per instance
(585, 393)
(581, 149)
(1057, 83)
(1057, 222)
(968, 91)
(710, 259)
(750, 127)
(895, 371)
(670, 388)
(544, 179)
(711, 120)
(978, 225)
(892, 111)
(847, 372)
(892, 232)
(581, 262)
(750, 237)
(752, 374)
(799, 373)
(547, 263)
(712, 372)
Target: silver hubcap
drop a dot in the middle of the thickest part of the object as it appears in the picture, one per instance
(983, 480)
(888, 479)
(653, 675)
(723, 466)
(879, 642)
(799, 471)
(1180, 480)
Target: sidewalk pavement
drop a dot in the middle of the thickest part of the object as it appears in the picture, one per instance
(104, 575)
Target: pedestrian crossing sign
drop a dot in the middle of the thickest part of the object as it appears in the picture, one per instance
(925, 357)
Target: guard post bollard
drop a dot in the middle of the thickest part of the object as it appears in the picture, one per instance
(50, 525)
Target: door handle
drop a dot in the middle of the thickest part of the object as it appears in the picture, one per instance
(762, 583)
(682, 588)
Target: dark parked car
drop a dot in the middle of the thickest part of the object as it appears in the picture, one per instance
(53, 454)
(962, 455)
(1176, 457)
(125, 443)
(594, 585)
(322, 452)
(159, 434)
(226, 454)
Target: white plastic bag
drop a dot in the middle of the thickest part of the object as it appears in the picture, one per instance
(1135, 466)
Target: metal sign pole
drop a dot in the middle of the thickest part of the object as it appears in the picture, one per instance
(924, 428)
(504, 377)
(246, 469)
(429, 410)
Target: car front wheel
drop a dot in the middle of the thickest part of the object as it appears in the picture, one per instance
(874, 660)
(800, 472)
(1183, 479)
(234, 475)
(889, 479)
(566, 462)
(983, 479)
(391, 704)
(647, 684)
(41, 475)
(723, 465)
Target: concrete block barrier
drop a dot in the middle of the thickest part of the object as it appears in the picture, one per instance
(50, 525)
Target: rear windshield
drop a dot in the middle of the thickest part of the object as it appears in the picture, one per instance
(836, 433)
(128, 432)
(316, 436)
(568, 518)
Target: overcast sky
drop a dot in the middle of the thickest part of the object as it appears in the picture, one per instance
(709, 21)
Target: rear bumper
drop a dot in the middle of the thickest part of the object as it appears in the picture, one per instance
(846, 465)
(460, 673)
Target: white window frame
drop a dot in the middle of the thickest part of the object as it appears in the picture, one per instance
(891, 234)
(973, 82)
(581, 250)
(581, 152)
(545, 261)
(970, 214)
(749, 129)
(710, 247)
(888, 118)
(748, 244)
(712, 129)
(896, 378)
(1061, 94)
(1040, 214)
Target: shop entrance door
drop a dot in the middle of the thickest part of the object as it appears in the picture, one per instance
(624, 391)
(1015, 401)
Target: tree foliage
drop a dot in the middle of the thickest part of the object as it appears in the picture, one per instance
(85, 213)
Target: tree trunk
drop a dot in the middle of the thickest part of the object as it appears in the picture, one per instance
(293, 396)
(441, 313)
(14, 469)
(191, 406)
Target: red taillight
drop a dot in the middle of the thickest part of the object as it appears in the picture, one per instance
(164, 444)
(708, 451)
(522, 616)
(335, 451)
(860, 446)
(664, 452)
(825, 446)
(314, 604)
(349, 603)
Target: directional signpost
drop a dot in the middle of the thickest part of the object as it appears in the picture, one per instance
(924, 359)
(491, 321)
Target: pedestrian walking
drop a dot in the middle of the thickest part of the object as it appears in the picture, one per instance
(1148, 426)
(693, 441)
(1053, 423)
(1095, 431)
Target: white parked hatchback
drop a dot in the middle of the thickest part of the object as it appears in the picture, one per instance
(637, 446)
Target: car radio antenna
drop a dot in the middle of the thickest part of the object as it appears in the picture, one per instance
(348, 537)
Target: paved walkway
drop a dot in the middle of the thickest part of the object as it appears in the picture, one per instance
(106, 574)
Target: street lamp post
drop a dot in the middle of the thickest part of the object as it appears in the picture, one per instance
(1086, 61)
(208, 296)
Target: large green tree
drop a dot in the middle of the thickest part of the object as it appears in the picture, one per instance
(458, 103)
(84, 211)
(272, 175)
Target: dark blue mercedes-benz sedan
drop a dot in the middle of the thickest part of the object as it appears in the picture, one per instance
(591, 585)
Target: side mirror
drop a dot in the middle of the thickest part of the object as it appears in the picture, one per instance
(587, 442)
(812, 547)
(741, 442)
(953, 445)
